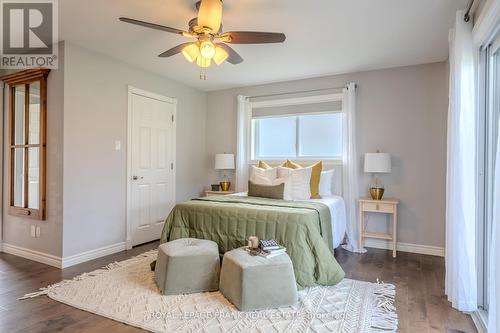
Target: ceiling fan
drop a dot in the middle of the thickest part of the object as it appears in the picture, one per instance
(210, 44)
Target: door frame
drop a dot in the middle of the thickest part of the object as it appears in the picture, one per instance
(136, 91)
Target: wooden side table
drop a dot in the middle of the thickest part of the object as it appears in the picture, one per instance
(212, 193)
(386, 206)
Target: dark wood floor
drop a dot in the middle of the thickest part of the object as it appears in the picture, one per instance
(421, 304)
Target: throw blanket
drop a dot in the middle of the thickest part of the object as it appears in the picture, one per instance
(304, 228)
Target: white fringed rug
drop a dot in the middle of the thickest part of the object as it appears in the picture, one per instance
(126, 292)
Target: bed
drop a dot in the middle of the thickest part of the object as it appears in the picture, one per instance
(310, 230)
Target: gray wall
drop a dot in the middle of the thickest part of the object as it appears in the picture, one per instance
(402, 111)
(86, 176)
(479, 9)
(16, 230)
(95, 117)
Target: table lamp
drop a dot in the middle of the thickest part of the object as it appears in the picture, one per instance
(376, 163)
(224, 162)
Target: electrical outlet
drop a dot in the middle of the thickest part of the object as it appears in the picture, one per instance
(33, 231)
(38, 231)
(118, 145)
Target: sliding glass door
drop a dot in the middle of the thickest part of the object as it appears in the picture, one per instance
(489, 84)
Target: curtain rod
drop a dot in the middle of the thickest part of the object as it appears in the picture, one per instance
(296, 92)
(471, 8)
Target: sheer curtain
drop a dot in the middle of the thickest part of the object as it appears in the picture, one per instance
(350, 176)
(461, 278)
(244, 119)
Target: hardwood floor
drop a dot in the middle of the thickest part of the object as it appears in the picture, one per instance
(419, 279)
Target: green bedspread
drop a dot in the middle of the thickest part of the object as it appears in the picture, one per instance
(304, 228)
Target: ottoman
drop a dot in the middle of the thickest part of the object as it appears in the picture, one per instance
(187, 265)
(257, 283)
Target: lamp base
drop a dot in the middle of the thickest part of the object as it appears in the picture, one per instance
(225, 186)
(377, 193)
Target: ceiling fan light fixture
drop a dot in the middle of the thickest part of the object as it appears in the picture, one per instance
(220, 55)
(207, 49)
(210, 14)
(210, 39)
(191, 52)
(203, 62)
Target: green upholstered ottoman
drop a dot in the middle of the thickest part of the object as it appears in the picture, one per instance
(187, 265)
(257, 283)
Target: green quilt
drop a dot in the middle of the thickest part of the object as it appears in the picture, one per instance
(304, 228)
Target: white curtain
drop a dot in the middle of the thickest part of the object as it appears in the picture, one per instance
(243, 139)
(350, 174)
(494, 264)
(461, 278)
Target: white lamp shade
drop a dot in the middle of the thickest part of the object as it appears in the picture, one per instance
(224, 161)
(377, 163)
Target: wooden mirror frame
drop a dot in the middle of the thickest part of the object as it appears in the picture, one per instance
(14, 80)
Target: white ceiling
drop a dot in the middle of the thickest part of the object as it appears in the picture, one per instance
(323, 36)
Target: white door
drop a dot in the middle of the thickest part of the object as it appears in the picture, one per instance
(151, 161)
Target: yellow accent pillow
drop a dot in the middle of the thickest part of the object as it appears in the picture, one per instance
(315, 178)
(315, 175)
(264, 165)
(291, 165)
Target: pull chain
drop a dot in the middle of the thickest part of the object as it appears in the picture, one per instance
(203, 75)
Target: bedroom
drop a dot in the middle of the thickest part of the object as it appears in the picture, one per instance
(345, 79)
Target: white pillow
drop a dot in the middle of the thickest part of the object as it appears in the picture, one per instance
(326, 183)
(297, 183)
(263, 176)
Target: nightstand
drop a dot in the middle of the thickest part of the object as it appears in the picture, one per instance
(385, 206)
(212, 193)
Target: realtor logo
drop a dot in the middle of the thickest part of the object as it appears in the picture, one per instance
(28, 34)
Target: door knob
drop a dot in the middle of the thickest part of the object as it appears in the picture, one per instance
(137, 177)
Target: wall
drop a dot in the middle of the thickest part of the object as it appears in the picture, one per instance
(479, 10)
(94, 172)
(16, 230)
(402, 111)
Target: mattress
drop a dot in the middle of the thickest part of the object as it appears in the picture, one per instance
(336, 205)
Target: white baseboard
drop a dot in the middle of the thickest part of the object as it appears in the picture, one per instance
(479, 318)
(42, 257)
(59, 262)
(405, 247)
(92, 254)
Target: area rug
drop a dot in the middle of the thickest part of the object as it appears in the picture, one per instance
(126, 292)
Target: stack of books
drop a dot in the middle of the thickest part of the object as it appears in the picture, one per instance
(268, 249)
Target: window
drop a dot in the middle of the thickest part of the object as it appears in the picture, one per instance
(27, 127)
(305, 136)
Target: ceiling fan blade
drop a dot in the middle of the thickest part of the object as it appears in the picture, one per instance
(252, 37)
(155, 26)
(174, 50)
(233, 57)
(210, 14)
